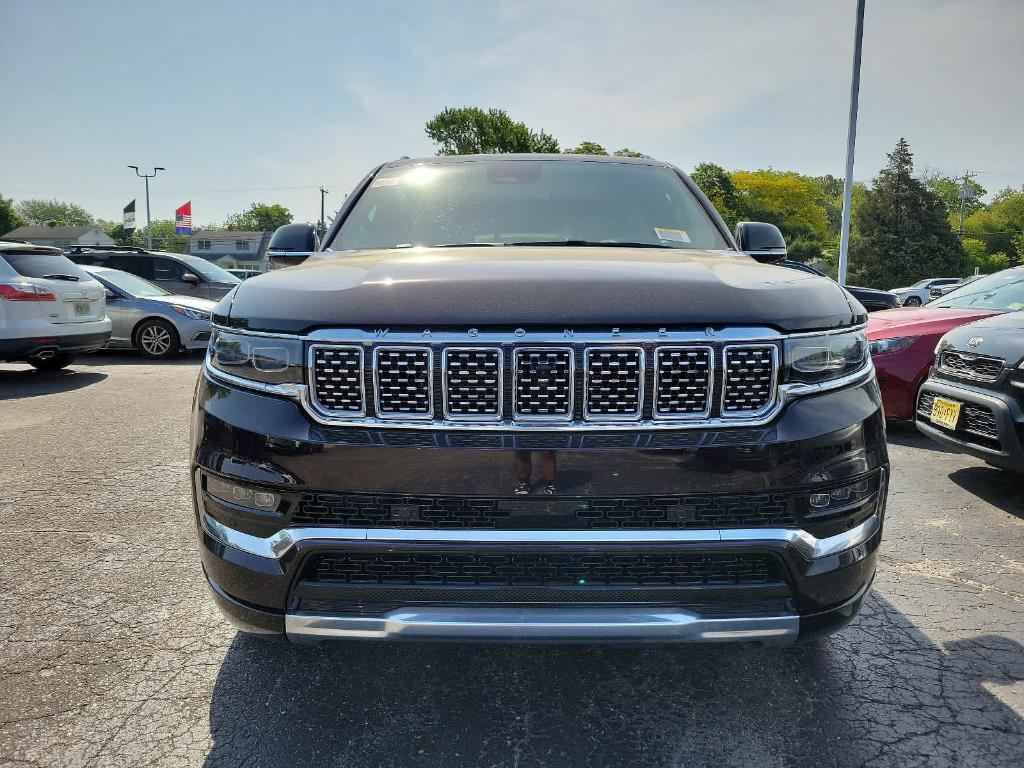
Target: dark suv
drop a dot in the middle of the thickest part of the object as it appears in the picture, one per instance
(537, 398)
(179, 273)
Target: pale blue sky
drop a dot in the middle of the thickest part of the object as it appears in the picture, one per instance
(268, 100)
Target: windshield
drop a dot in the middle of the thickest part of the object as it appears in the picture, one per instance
(524, 202)
(30, 264)
(921, 283)
(1002, 291)
(131, 284)
(210, 271)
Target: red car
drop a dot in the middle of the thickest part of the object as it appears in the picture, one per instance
(902, 341)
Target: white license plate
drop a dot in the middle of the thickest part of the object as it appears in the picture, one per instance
(82, 308)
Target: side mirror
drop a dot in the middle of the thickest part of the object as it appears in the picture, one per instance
(762, 241)
(292, 244)
(191, 279)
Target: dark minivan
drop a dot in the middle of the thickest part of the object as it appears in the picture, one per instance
(537, 398)
(178, 273)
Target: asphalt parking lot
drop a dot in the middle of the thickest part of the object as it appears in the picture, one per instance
(111, 653)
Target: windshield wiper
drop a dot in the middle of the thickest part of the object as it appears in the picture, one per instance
(469, 245)
(593, 244)
(58, 276)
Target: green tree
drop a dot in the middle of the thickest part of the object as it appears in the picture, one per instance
(164, 237)
(42, 213)
(115, 230)
(260, 217)
(627, 152)
(717, 184)
(470, 130)
(587, 148)
(789, 201)
(10, 219)
(901, 232)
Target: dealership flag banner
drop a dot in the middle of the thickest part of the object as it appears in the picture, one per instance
(183, 219)
(128, 224)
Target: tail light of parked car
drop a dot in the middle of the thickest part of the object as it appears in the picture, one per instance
(24, 292)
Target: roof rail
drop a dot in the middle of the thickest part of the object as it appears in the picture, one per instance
(76, 248)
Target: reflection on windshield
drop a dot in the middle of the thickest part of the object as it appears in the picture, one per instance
(1003, 291)
(210, 271)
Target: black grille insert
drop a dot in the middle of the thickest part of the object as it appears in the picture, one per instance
(976, 421)
(472, 383)
(504, 569)
(544, 383)
(682, 384)
(749, 378)
(403, 379)
(614, 382)
(971, 366)
(337, 379)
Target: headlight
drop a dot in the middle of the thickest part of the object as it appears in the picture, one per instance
(812, 359)
(266, 359)
(895, 344)
(195, 314)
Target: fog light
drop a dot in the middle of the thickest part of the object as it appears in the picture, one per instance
(820, 500)
(841, 494)
(841, 497)
(243, 495)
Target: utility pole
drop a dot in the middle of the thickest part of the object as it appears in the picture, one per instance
(323, 223)
(147, 177)
(963, 199)
(851, 141)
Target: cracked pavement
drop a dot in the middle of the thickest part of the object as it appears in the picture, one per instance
(112, 654)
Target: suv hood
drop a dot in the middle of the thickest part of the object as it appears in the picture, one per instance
(536, 285)
(997, 335)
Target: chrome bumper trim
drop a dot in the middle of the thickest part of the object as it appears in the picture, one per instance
(277, 545)
(563, 624)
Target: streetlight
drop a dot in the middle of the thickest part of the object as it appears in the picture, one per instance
(147, 177)
(851, 140)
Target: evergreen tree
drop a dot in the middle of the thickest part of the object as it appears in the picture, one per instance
(901, 233)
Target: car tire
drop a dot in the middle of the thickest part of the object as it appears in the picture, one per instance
(912, 301)
(157, 340)
(54, 363)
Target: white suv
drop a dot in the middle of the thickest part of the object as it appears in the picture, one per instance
(49, 307)
(917, 294)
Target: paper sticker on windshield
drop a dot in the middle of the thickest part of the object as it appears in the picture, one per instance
(391, 181)
(677, 235)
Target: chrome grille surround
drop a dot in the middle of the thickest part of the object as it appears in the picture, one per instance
(618, 394)
(403, 426)
(397, 396)
(326, 364)
(666, 405)
(457, 375)
(970, 366)
(743, 386)
(554, 389)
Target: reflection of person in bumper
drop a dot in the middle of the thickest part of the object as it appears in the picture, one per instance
(523, 463)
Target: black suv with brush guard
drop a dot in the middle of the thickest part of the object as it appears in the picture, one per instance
(537, 398)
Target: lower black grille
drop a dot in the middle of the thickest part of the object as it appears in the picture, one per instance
(458, 568)
(697, 511)
(971, 366)
(976, 421)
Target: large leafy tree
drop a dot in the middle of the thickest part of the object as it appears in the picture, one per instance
(164, 237)
(790, 202)
(587, 148)
(717, 184)
(42, 213)
(9, 218)
(1000, 225)
(470, 130)
(901, 232)
(260, 217)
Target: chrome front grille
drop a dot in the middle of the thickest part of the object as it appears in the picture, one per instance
(543, 383)
(967, 365)
(660, 379)
(404, 382)
(614, 382)
(473, 383)
(749, 385)
(683, 381)
(338, 379)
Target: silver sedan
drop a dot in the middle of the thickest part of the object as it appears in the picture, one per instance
(150, 319)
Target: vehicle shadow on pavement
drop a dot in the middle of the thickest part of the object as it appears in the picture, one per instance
(131, 357)
(879, 693)
(1000, 488)
(32, 383)
(906, 434)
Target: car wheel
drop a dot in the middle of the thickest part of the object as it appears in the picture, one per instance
(912, 301)
(53, 363)
(157, 340)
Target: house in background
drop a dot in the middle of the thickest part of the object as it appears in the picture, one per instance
(231, 249)
(62, 237)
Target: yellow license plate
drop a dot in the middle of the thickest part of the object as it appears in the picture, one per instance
(945, 413)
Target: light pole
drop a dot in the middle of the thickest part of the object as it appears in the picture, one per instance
(851, 141)
(323, 225)
(147, 177)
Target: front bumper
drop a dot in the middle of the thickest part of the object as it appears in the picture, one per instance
(1000, 442)
(263, 566)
